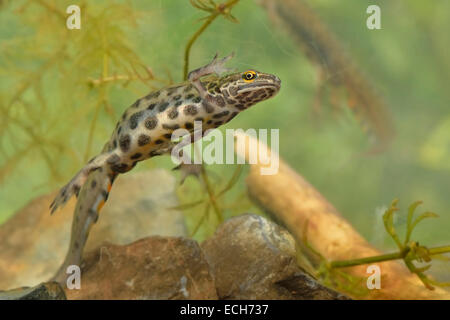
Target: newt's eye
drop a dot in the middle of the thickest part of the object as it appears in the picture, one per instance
(249, 75)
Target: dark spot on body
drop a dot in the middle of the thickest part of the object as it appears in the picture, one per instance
(209, 122)
(188, 125)
(170, 126)
(178, 103)
(151, 123)
(151, 106)
(134, 119)
(119, 167)
(190, 110)
(168, 136)
(159, 141)
(93, 184)
(219, 101)
(136, 156)
(221, 114)
(173, 113)
(124, 142)
(136, 104)
(189, 96)
(153, 95)
(254, 95)
(163, 106)
(143, 140)
(197, 99)
(240, 106)
(119, 130)
(218, 123)
(177, 97)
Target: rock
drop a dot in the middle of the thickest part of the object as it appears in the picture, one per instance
(253, 258)
(151, 268)
(43, 291)
(34, 243)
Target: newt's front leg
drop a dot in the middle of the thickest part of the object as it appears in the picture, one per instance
(214, 67)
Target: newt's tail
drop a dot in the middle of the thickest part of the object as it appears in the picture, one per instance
(93, 195)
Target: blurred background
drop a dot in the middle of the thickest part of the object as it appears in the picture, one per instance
(56, 112)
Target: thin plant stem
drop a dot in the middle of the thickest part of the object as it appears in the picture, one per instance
(187, 51)
(211, 194)
(220, 9)
(384, 257)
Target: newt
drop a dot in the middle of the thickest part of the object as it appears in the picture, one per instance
(145, 131)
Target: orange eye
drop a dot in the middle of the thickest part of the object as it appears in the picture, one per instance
(249, 76)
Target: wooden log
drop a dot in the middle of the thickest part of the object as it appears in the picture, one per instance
(295, 202)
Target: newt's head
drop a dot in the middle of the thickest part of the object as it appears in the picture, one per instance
(244, 89)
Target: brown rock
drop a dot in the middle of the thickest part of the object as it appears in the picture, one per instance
(34, 243)
(253, 258)
(151, 268)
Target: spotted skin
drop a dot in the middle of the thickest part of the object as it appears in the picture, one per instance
(145, 130)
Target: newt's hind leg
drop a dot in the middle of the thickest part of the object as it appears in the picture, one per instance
(74, 185)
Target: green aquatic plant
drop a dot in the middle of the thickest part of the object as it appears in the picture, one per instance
(408, 250)
(60, 86)
(218, 192)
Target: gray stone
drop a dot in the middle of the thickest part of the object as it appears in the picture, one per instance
(253, 258)
(43, 291)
